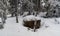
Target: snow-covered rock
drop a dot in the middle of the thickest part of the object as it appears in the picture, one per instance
(31, 17)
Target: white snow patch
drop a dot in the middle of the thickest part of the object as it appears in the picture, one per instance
(11, 28)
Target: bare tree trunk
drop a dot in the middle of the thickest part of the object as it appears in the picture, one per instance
(16, 17)
(16, 11)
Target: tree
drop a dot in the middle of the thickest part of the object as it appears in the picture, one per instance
(13, 4)
(3, 11)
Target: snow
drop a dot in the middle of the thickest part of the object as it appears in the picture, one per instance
(43, 4)
(0, 19)
(11, 28)
(41, 14)
(31, 17)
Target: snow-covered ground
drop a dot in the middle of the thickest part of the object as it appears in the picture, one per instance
(50, 27)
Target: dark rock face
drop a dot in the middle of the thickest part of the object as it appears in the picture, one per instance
(33, 24)
(38, 24)
(29, 24)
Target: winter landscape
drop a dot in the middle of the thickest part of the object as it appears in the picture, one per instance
(17, 17)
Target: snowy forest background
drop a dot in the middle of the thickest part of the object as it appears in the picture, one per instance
(51, 7)
(13, 12)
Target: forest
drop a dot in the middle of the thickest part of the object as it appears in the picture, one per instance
(18, 16)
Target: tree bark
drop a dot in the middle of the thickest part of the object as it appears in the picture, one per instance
(16, 13)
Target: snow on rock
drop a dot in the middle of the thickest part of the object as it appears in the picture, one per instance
(31, 17)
